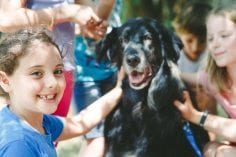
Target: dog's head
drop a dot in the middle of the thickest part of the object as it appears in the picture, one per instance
(140, 45)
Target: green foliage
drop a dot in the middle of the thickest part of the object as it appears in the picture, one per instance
(162, 10)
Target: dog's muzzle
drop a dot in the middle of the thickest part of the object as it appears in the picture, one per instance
(138, 70)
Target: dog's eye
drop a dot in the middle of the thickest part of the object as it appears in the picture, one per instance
(123, 40)
(147, 37)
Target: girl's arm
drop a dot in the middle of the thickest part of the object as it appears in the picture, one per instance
(18, 17)
(215, 124)
(93, 114)
(104, 8)
(190, 78)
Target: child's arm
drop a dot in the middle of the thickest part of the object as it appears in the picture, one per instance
(190, 78)
(93, 114)
(218, 125)
(16, 16)
(102, 8)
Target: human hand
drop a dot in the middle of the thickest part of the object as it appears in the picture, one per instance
(90, 25)
(82, 14)
(95, 30)
(120, 77)
(187, 110)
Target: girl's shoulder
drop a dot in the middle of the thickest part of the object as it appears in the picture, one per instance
(13, 131)
(53, 125)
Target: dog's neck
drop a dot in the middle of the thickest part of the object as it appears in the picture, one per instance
(139, 96)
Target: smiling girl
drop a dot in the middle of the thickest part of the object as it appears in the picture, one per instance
(219, 78)
(31, 77)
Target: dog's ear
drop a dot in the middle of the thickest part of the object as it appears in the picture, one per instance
(171, 45)
(105, 49)
(177, 45)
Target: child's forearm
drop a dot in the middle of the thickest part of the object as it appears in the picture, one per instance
(98, 110)
(224, 127)
(92, 115)
(23, 17)
(190, 78)
(104, 8)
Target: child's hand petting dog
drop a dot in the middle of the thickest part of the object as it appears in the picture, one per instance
(187, 110)
(120, 77)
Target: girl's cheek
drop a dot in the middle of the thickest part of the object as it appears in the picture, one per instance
(63, 83)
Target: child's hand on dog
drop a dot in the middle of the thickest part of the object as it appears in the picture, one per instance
(120, 77)
(187, 110)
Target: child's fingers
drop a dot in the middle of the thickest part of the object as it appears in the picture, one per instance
(181, 105)
(178, 104)
(121, 73)
(120, 76)
(186, 96)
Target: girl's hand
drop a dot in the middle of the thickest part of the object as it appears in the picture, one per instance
(187, 110)
(95, 30)
(83, 14)
(89, 23)
(120, 77)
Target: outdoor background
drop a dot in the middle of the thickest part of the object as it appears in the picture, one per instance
(163, 11)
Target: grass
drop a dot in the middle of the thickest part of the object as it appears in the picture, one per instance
(69, 148)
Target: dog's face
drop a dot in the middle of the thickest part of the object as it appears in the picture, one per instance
(140, 45)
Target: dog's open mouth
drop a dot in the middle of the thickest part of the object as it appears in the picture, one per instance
(139, 80)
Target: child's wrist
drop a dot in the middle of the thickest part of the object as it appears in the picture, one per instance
(196, 116)
(203, 118)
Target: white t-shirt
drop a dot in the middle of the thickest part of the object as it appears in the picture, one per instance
(187, 65)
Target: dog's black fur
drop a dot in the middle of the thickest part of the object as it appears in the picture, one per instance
(146, 123)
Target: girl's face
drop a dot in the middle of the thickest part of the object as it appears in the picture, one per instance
(221, 37)
(37, 84)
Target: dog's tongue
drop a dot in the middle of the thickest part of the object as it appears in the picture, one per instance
(137, 78)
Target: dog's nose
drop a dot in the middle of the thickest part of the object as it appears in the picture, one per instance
(132, 60)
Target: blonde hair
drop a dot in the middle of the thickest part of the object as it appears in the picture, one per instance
(219, 75)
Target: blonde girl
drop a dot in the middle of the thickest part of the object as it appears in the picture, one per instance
(219, 78)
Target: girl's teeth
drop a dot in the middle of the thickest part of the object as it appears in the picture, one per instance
(47, 97)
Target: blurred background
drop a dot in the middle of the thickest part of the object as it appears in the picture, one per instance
(162, 10)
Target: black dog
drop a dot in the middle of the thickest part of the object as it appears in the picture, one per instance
(146, 123)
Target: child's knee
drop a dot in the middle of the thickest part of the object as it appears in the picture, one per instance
(215, 149)
(210, 149)
(226, 150)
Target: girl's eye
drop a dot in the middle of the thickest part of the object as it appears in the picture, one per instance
(37, 73)
(225, 35)
(209, 39)
(58, 71)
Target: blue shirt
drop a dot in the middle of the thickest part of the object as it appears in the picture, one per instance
(21, 140)
(87, 68)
